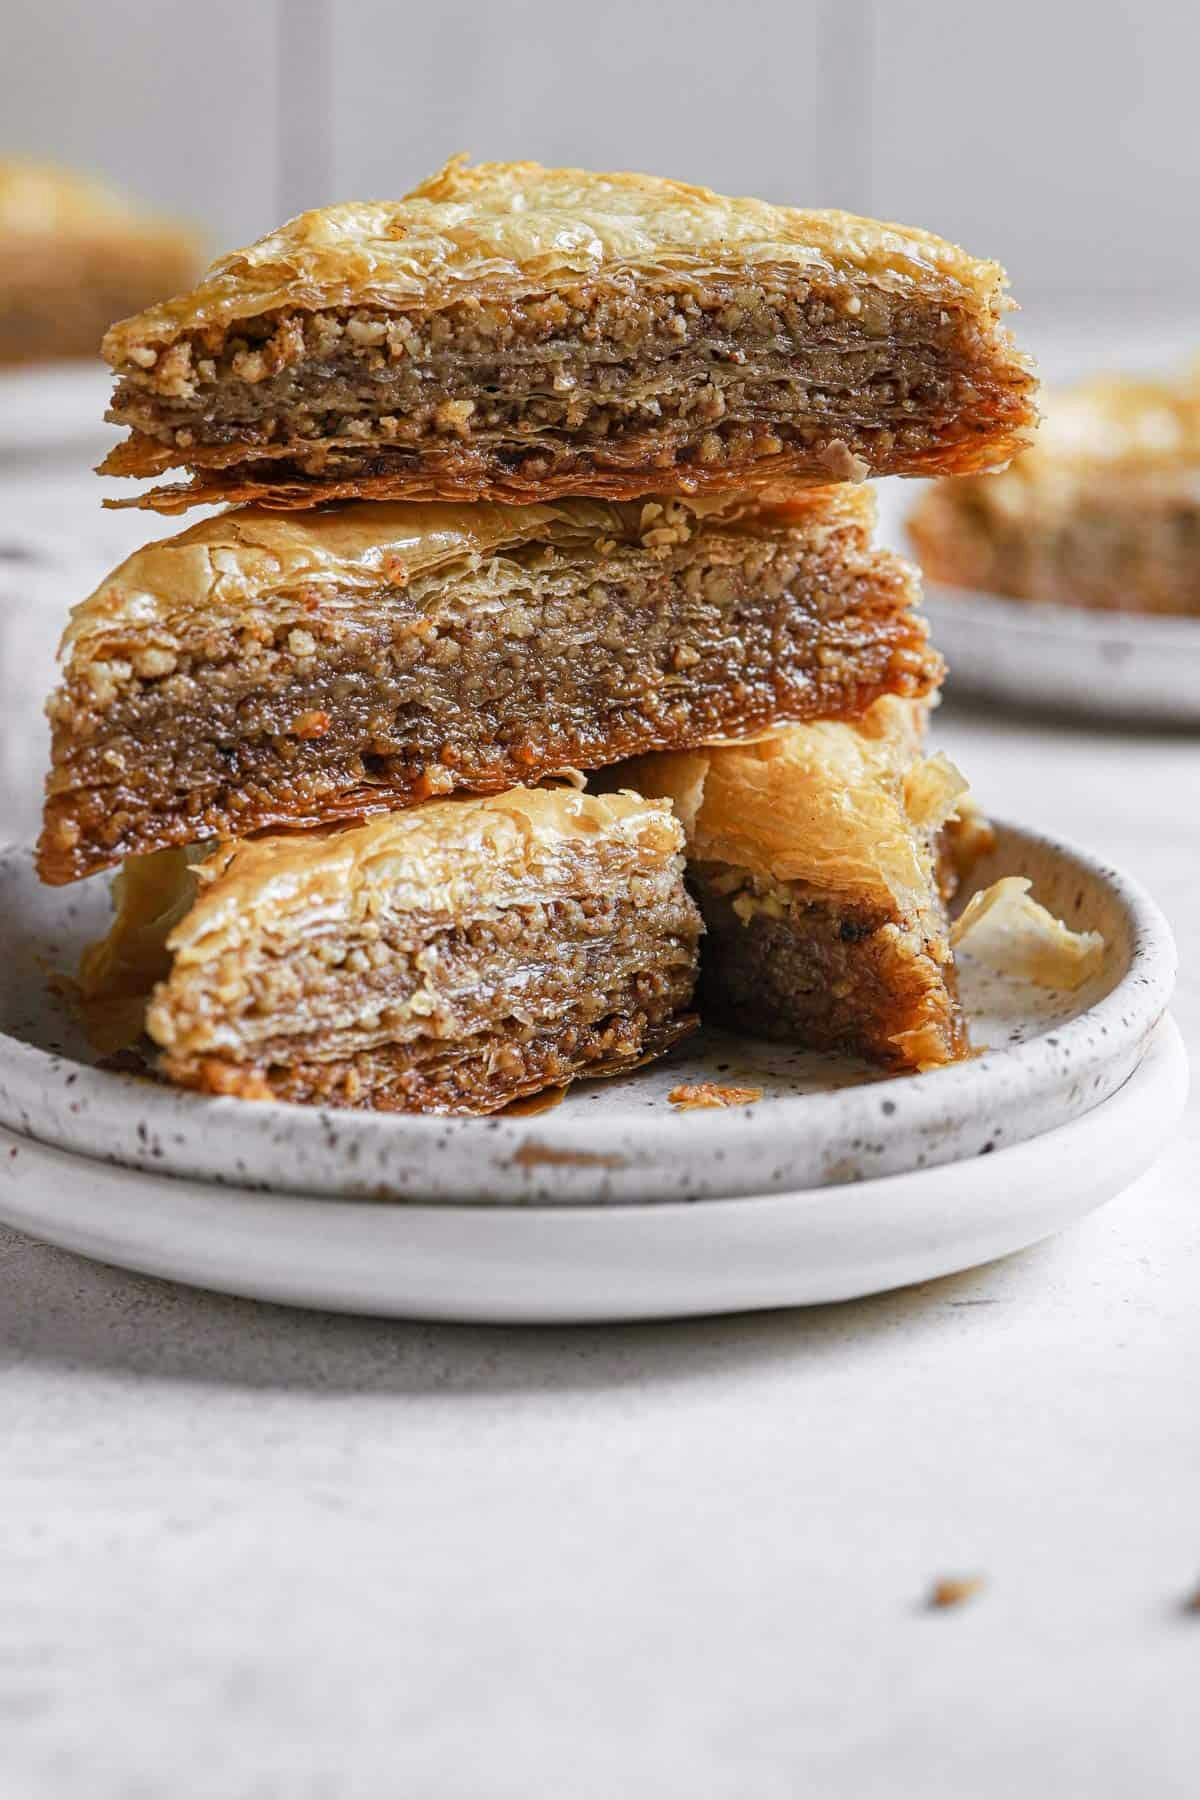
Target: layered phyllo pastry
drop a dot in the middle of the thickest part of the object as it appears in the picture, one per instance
(267, 669)
(449, 959)
(519, 333)
(816, 858)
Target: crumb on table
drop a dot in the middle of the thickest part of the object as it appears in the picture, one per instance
(955, 1590)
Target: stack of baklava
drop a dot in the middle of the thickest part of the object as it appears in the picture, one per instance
(529, 475)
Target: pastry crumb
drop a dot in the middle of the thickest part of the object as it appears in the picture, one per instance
(955, 1590)
(1006, 929)
(710, 1093)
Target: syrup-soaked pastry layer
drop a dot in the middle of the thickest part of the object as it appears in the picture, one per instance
(519, 333)
(268, 669)
(74, 256)
(813, 853)
(1103, 513)
(448, 959)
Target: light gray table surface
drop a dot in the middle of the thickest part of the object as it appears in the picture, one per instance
(249, 1553)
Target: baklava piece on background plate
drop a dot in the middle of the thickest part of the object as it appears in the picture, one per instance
(1103, 513)
(75, 256)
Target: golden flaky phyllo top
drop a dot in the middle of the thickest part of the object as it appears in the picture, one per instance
(504, 227)
(254, 561)
(848, 808)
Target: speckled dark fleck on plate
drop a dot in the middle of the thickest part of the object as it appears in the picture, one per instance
(822, 1121)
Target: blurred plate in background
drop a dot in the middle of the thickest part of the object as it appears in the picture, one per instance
(1135, 667)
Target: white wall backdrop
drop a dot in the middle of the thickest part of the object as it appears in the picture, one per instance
(1058, 135)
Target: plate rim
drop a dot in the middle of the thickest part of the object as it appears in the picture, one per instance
(1068, 663)
(1040, 618)
(1123, 1018)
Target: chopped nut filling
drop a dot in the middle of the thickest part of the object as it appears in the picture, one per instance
(782, 962)
(604, 384)
(428, 688)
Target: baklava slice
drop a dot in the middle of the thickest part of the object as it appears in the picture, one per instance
(520, 333)
(815, 856)
(1104, 512)
(267, 669)
(74, 256)
(448, 959)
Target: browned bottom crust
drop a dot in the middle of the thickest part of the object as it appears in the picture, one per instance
(766, 467)
(459, 699)
(1109, 544)
(830, 977)
(466, 1081)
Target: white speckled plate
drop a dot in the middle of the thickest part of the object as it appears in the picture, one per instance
(1063, 659)
(565, 1265)
(822, 1120)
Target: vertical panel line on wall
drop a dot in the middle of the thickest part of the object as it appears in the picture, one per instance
(305, 120)
(845, 29)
